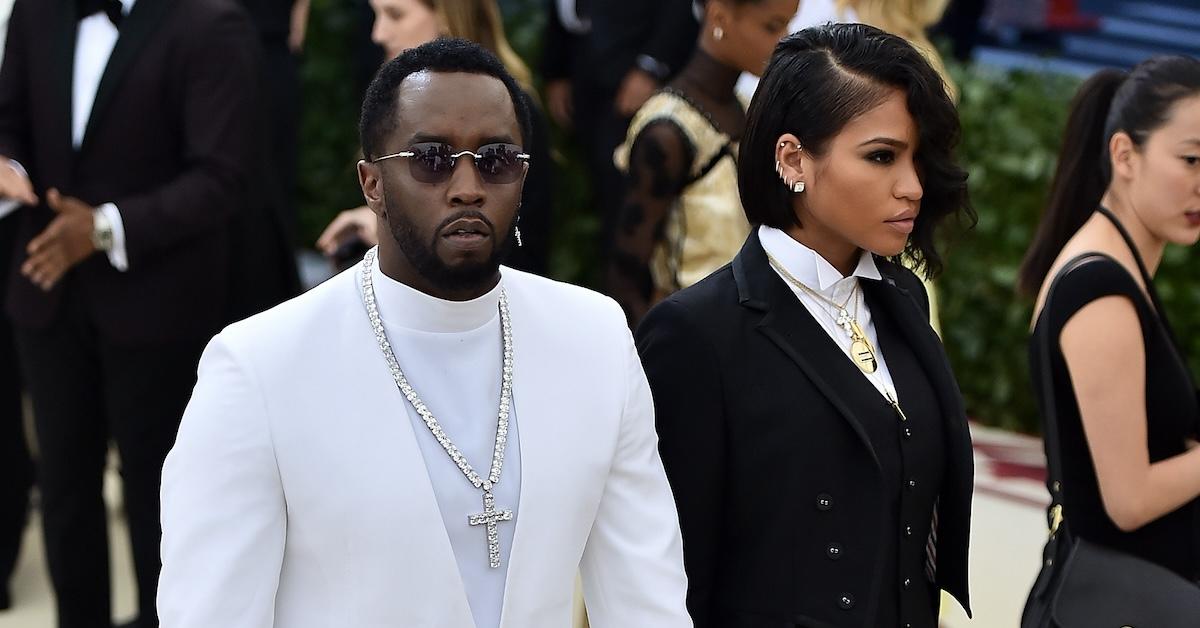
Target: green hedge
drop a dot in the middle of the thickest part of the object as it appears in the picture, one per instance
(1012, 123)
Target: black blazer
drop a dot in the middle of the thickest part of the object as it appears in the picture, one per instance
(171, 140)
(767, 461)
(621, 30)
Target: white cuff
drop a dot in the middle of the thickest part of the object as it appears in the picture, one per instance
(116, 255)
(9, 205)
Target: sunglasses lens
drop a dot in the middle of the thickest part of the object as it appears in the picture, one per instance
(431, 162)
(500, 163)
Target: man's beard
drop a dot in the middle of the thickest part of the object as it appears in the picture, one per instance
(424, 259)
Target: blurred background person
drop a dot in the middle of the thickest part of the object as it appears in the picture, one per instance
(682, 218)
(133, 160)
(1123, 399)
(809, 422)
(16, 466)
(811, 13)
(910, 19)
(604, 60)
(403, 24)
(281, 26)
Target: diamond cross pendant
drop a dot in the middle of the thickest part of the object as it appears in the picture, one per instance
(491, 517)
(844, 321)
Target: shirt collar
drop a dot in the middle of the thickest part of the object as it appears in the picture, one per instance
(127, 6)
(807, 265)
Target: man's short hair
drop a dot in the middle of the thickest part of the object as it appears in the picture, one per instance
(378, 119)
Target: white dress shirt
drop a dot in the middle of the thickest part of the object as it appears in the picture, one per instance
(451, 352)
(818, 274)
(94, 43)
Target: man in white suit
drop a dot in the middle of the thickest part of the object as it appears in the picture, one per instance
(428, 439)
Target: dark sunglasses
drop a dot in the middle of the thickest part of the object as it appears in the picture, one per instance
(433, 162)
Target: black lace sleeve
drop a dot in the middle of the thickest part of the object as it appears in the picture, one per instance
(659, 164)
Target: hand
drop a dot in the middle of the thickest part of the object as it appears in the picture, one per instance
(63, 244)
(358, 223)
(560, 102)
(635, 90)
(297, 26)
(15, 185)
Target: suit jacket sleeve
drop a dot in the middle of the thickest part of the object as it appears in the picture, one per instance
(632, 565)
(689, 406)
(220, 74)
(223, 510)
(675, 31)
(14, 90)
(556, 51)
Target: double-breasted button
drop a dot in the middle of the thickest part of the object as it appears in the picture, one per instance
(907, 582)
(907, 433)
(824, 502)
(912, 483)
(907, 530)
(834, 551)
(846, 602)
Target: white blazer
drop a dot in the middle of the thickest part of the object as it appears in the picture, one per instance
(296, 495)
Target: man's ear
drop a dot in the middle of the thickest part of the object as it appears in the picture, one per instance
(370, 179)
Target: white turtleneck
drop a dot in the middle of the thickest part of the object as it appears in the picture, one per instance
(451, 353)
(817, 273)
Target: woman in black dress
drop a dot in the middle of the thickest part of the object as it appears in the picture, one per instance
(809, 423)
(1128, 183)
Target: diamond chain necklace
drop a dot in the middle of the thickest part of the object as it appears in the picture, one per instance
(490, 517)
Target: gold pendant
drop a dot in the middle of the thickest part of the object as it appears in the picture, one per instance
(864, 355)
(861, 350)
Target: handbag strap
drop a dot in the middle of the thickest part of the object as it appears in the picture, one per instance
(1054, 478)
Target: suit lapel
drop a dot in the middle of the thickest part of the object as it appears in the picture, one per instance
(432, 573)
(788, 324)
(62, 50)
(900, 306)
(538, 430)
(136, 29)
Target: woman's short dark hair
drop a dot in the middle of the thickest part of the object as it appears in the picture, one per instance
(820, 79)
(1137, 102)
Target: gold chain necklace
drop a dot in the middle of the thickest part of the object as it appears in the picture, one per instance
(861, 351)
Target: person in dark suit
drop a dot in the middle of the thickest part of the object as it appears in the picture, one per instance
(16, 466)
(131, 150)
(810, 425)
(603, 60)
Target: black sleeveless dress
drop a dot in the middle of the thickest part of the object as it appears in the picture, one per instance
(1172, 415)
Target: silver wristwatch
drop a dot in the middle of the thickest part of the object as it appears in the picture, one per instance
(102, 231)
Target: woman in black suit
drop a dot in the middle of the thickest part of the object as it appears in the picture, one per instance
(811, 428)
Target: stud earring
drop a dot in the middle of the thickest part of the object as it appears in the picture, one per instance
(798, 187)
(718, 33)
